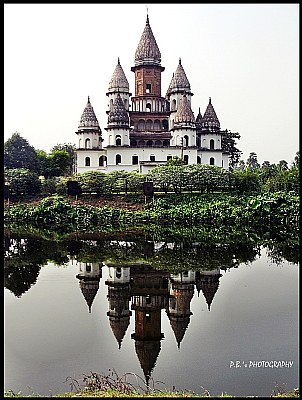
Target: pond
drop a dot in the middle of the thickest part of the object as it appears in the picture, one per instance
(225, 320)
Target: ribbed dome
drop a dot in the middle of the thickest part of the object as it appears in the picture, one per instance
(119, 327)
(210, 120)
(118, 114)
(198, 119)
(88, 118)
(118, 80)
(179, 80)
(184, 112)
(147, 51)
(171, 86)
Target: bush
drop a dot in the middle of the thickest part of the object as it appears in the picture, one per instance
(24, 182)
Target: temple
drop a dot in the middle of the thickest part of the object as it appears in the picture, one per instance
(147, 129)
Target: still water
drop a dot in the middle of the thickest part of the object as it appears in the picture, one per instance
(231, 330)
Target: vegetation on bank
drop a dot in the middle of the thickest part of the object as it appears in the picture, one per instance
(216, 210)
(115, 393)
(112, 385)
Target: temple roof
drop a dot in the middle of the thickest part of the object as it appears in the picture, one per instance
(147, 51)
(89, 290)
(179, 81)
(198, 118)
(118, 113)
(88, 118)
(118, 80)
(184, 112)
(119, 327)
(179, 327)
(210, 120)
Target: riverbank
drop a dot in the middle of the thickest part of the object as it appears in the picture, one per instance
(160, 394)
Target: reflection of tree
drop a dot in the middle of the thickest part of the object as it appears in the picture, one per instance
(174, 250)
(279, 252)
(19, 278)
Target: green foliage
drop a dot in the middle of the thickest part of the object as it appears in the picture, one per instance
(92, 182)
(48, 186)
(57, 163)
(228, 145)
(246, 180)
(22, 181)
(193, 177)
(284, 180)
(252, 161)
(19, 154)
(70, 148)
(175, 161)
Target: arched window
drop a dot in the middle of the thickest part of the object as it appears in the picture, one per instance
(102, 161)
(157, 125)
(111, 104)
(198, 160)
(212, 161)
(166, 143)
(212, 143)
(118, 159)
(141, 125)
(173, 105)
(165, 124)
(87, 161)
(148, 107)
(133, 143)
(149, 125)
(134, 160)
(87, 143)
(149, 143)
(158, 143)
(186, 158)
(186, 141)
(118, 140)
(152, 157)
(141, 143)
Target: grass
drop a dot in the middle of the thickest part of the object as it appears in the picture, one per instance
(112, 385)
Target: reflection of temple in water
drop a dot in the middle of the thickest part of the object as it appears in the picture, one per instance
(149, 291)
(208, 282)
(181, 294)
(119, 297)
(89, 276)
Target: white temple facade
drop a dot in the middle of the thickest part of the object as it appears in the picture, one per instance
(147, 129)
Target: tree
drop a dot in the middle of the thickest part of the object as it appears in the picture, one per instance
(283, 165)
(57, 163)
(296, 162)
(22, 181)
(228, 145)
(70, 148)
(19, 154)
(42, 157)
(252, 161)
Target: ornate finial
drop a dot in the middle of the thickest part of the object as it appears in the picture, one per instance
(147, 22)
(209, 100)
(88, 99)
(199, 110)
(118, 60)
(179, 61)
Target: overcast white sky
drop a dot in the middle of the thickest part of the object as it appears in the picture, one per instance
(244, 56)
